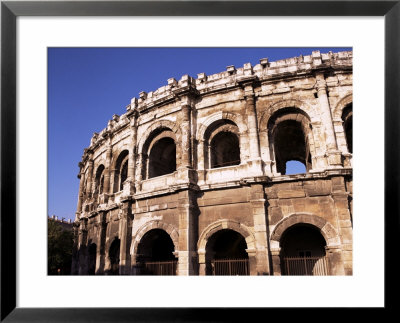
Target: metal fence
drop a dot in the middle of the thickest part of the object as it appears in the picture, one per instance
(305, 266)
(230, 267)
(162, 268)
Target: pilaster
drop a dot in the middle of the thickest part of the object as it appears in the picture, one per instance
(125, 234)
(101, 243)
(333, 154)
(188, 233)
(257, 201)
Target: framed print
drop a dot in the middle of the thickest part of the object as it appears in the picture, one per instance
(155, 169)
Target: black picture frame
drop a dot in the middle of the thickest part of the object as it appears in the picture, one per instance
(10, 10)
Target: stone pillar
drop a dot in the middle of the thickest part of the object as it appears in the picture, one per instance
(101, 243)
(107, 171)
(186, 160)
(335, 262)
(252, 254)
(90, 179)
(345, 228)
(185, 169)
(334, 155)
(125, 234)
(254, 162)
(201, 163)
(75, 248)
(254, 145)
(132, 155)
(257, 201)
(265, 153)
(82, 248)
(188, 232)
(276, 261)
(81, 176)
(202, 263)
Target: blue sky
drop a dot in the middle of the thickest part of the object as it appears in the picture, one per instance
(87, 86)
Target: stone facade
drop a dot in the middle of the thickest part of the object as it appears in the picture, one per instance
(195, 172)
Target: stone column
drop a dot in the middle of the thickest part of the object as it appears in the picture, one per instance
(186, 137)
(82, 248)
(185, 171)
(334, 155)
(202, 263)
(254, 162)
(90, 178)
(276, 261)
(187, 249)
(75, 254)
(257, 201)
(101, 243)
(81, 176)
(125, 234)
(254, 145)
(265, 152)
(201, 163)
(345, 228)
(132, 155)
(107, 171)
(335, 263)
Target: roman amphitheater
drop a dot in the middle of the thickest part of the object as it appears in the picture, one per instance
(192, 179)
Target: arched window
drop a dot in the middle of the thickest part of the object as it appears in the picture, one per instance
(288, 133)
(124, 175)
(121, 171)
(347, 117)
(162, 157)
(222, 141)
(100, 179)
(225, 150)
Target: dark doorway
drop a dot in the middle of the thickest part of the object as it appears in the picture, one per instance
(155, 254)
(226, 254)
(303, 251)
(114, 257)
(92, 259)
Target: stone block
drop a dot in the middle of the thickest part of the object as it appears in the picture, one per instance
(286, 194)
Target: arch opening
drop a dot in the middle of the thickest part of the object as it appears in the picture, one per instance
(92, 259)
(162, 158)
(225, 150)
(100, 179)
(303, 251)
(113, 254)
(347, 117)
(289, 131)
(155, 254)
(222, 147)
(226, 254)
(121, 171)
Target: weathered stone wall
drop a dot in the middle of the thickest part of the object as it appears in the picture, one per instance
(252, 196)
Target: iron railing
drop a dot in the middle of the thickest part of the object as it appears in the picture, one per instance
(230, 267)
(159, 268)
(305, 266)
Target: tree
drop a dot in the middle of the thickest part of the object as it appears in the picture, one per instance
(59, 247)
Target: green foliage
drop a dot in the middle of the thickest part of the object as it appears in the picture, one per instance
(59, 247)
